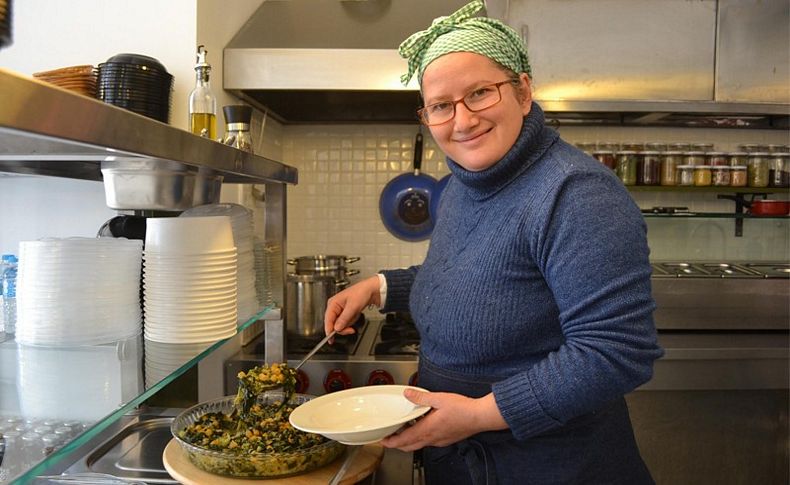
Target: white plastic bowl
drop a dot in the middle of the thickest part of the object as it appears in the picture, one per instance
(358, 416)
(188, 235)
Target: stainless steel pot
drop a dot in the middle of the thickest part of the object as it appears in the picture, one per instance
(334, 265)
(306, 297)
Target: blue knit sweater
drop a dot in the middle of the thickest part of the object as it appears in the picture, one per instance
(537, 272)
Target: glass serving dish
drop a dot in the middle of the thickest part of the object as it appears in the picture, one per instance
(250, 464)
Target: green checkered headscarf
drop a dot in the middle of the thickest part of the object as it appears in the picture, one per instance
(460, 32)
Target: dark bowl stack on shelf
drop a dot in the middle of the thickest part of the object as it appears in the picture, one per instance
(138, 83)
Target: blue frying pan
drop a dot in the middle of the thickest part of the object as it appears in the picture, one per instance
(404, 204)
(437, 194)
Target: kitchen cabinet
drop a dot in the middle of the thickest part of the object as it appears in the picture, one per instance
(709, 50)
(55, 401)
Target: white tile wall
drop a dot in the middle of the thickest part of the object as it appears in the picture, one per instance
(343, 168)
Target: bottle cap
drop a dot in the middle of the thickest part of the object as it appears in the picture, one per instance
(201, 58)
(237, 113)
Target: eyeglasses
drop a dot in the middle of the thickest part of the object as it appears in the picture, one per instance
(481, 98)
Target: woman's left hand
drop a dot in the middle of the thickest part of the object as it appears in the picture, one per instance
(453, 418)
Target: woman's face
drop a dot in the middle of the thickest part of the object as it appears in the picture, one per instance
(476, 141)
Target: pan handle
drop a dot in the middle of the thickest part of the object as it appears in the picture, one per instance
(417, 153)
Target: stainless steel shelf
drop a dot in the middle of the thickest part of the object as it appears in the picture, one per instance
(45, 130)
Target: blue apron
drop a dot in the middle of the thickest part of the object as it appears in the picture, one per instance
(597, 448)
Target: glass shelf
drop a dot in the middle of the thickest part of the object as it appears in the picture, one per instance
(85, 389)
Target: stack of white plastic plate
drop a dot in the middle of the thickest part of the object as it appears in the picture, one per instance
(189, 279)
(78, 291)
(163, 359)
(241, 223)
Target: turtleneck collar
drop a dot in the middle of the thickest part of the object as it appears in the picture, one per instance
(531, 143)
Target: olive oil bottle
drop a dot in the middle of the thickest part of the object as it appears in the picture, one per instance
(202, 102)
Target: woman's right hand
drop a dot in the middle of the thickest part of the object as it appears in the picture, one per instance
(343, 309)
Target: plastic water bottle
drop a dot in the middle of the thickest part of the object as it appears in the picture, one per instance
(9, 292)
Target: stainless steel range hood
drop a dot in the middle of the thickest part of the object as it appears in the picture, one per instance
(336, 61)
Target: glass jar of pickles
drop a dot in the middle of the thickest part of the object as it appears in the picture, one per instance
(703, 176)
(758, 169)
(720, 175)
(648, 168)
(738, 176)
(627, 167)
(669, 167)
(779, 170)
(685, 175)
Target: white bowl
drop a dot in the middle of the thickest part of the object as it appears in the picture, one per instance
(188, 235)
(358, 416)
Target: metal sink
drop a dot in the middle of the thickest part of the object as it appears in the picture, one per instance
(134, 453)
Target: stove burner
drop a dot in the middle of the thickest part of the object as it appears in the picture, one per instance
(397, 347)
(398, 335)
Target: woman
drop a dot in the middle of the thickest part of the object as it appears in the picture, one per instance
(533, 303)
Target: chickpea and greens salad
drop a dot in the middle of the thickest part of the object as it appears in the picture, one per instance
(253, 427)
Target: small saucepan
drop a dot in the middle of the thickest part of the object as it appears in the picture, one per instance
(404, 204)
(765, 207)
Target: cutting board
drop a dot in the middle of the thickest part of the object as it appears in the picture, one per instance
(365, 462)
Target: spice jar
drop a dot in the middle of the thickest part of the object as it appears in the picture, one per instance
(606, 157)
(738, 177)
(738, 158)
(626, 167)
(703, 176)
(685, 175)
(779, 170)
(720, 175)
(759, 169)
(702, 147)
(633, 146)
(694, 158)
(717, 159)
(669, 167)
(679, 147)
(648, 168)
(609, 145)
(750, 148)
(656, 147)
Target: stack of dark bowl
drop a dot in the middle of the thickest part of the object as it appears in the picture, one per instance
(138, 83)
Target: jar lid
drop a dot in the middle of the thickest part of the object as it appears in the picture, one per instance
(626, 152)
(780, 154)
(721, 167)
(738, 154)
(716, 154)
(702, 167)
(673, 152)
(759, 154)
(694, 154)
(651, 152)
(738, 167)
(603, 152)
(685, 166)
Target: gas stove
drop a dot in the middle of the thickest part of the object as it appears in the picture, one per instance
(383, 350)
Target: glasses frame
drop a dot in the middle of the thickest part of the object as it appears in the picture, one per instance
(424, 119)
